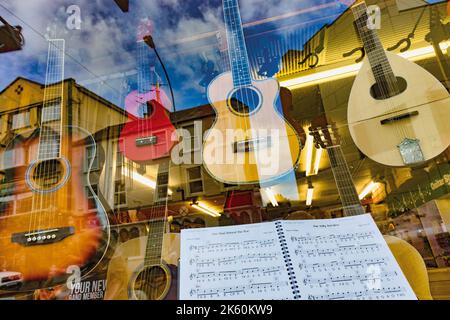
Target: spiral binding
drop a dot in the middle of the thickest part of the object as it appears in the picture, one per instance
(288, 261)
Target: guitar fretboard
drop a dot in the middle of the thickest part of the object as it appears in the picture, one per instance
(342, 176)
(51, 117)
(157, 223)
(240, 66)
(378, 60)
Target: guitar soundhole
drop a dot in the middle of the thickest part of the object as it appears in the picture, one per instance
(48, 175)
(152, 283)
(244, 100)
(381, 91)
(146, 109)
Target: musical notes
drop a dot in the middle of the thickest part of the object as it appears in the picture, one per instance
(239, 262)
(345, 258)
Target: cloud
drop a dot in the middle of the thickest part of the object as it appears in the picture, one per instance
(106, 42)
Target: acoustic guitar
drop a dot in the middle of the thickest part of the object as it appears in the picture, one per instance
(145, 268)
(397, 112)
(250, 141)
(147, 134)
(409, 259)
(54, 222)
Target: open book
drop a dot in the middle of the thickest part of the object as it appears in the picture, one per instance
(345, 258)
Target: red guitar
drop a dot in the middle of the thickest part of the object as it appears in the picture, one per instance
(146, 136)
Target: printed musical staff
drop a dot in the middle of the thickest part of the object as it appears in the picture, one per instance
(243, 263)
(345, 258)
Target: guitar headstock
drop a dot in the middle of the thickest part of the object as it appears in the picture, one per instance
(145, 28)
(324, 134)
(53, 31)
(222, 40)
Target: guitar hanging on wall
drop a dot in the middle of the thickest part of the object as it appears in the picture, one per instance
(55, 220)
(147, 136)
(397, 112)
(248, 130)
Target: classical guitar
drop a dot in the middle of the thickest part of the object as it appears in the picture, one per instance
(409, 259)
(397, 112)
(54, 219)
(250, 141)
(147, 134)
(145, 268)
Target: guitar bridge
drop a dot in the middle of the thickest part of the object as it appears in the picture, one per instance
(40, 237)
(410, 151)
(251, 145)
(147, 141)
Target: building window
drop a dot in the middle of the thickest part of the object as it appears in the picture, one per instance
(119, 155)
(162, 183)
(20, 120)
(195, 179)
(195, 142)
(92, 205)
(120, 197)
(91, 155)
(51, 112)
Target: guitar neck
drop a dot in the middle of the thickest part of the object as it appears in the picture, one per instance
(378, 60)
(223, 50)
(344, 182)
(240, 66)
(51, 117)
(157, 224)
(146, 68)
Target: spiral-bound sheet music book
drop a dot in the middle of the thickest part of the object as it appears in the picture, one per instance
(344, 258)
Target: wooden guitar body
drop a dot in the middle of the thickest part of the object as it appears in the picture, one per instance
(126, 266)
(149, 138)
(242, 166)
(56, 220)
(412, 265)
(424, 106)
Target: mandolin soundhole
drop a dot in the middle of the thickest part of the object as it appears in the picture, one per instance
(382, 91)
(152, 283)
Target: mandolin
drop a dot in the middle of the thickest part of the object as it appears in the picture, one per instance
(397, 112)
(139, 269)
(147, 134)
(54, 222)
(250, 141)
(409, 259)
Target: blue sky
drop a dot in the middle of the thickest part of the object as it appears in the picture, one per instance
(184, 31)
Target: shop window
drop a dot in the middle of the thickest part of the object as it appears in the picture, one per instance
(195, 179)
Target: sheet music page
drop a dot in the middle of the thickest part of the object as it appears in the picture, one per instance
(236, 262)
(344, 258)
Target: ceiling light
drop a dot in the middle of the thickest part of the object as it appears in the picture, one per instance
(205, 209)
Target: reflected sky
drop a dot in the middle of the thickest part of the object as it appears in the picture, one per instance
(101, 55)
